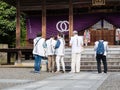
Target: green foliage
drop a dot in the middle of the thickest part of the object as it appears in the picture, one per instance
(7, 18)
(8, 24)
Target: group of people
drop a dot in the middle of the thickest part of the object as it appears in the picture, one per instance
(55, 51)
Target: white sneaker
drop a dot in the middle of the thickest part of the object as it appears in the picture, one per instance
(57, 72)
(77, 72)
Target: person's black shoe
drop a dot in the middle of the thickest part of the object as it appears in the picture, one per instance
(105, 72)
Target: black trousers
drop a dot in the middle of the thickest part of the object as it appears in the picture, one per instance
(102, 57)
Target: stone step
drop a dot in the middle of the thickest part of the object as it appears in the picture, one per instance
(117, 50)
(93, 56)
(92, 52)
(94, 68)
(94, 59)
(95, 63)
(88, 60)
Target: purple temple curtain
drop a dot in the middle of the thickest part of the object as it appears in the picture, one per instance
(81, 22)
(51, 24)
(33, 26)
(113, 19)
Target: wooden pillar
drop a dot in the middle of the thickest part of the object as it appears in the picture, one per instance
(44, 18)
(18, 30)
(70, 18)
(8, 58)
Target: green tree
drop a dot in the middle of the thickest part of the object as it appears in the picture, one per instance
(8, 24)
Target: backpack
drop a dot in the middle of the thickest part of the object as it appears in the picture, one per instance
(57, 44)
(100, 48)
(44, 45)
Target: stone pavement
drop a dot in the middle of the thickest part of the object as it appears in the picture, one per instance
(66, 81)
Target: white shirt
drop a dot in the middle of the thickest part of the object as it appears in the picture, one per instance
(38, 48)
(105, 47)
(61, 49)
(77, 44)
(50, 46)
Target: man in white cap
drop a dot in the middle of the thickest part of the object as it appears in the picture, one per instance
(76, 43)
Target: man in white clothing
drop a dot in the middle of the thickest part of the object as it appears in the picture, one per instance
(38, 51)
(76, 43)
(60, 51)
(51, 53)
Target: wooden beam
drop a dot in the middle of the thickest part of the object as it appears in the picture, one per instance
(44, 18)
(49, 7)
(18, 25)
(70, 18)
(18, 30)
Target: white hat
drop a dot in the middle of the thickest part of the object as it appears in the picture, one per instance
(75, 32)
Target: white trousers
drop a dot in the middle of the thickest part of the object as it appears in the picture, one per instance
(75, 63)
(58, 60)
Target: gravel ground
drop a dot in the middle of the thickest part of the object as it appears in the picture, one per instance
(17, 74)
(14, 74)
(112, 82)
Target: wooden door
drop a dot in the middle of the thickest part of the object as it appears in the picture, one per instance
(110, 34)
(107, 35)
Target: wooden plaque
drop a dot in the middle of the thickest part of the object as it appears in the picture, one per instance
(98, 2)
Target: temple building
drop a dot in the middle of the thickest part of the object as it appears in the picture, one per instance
(101, 17)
